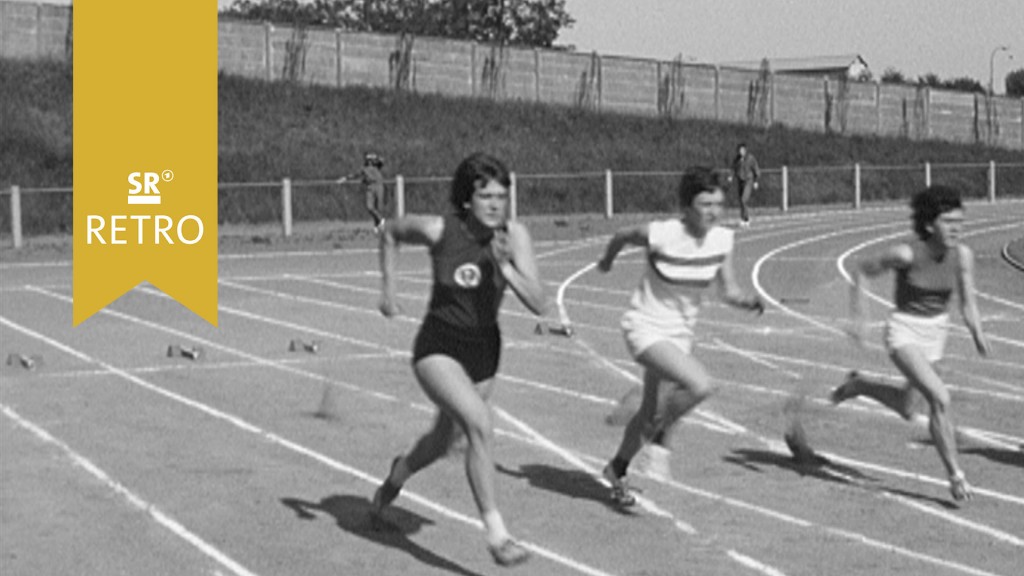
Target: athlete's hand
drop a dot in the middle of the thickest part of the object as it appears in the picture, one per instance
(500, 246)
(604, 265)
(754, 304)
(342, 180)
(388, 307)
(756, 185)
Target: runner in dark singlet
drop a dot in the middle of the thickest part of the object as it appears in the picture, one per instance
(476, 252)
(928, 271)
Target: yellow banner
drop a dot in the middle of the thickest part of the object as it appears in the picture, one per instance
(145, 149)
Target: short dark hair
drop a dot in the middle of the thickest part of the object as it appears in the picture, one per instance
(475, 170)
(696, 180)
(929, 204)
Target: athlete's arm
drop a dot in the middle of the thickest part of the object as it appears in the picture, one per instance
(517, 262)
(894, 258)
(730, 290)
(969, 300)
(632, 235)
(422, 230)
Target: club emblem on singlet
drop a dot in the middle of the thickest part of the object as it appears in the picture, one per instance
(468, 275)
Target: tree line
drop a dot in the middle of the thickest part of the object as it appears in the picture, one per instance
(533, 23)
(1014, 82)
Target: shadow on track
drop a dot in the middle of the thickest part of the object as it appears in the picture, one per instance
(352, 514)
(572, 483)
(824, 469)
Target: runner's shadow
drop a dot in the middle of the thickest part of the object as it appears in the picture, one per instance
(819, 468)
(576, 484)
(824, 469)
(352, 514)
(1011, 457)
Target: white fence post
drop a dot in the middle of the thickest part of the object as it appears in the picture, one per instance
(512, 196)
(16, 215)
(991, 180)
(785, 188)
(927, 174)
(856, 186)
(609, 199)
(399, 196)
(286, 206)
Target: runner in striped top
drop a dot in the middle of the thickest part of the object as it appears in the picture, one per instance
(684, 258)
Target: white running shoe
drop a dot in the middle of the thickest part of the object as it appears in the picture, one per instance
(655, 462)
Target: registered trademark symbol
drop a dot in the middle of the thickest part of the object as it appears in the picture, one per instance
(167, 175)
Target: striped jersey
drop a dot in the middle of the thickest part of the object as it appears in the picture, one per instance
(679, 269)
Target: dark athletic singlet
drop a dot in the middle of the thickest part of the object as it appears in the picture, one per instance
(925, 287)
(468, 287)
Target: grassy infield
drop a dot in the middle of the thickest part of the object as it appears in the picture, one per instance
(308, 133)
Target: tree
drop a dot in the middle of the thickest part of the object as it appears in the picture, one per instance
(1015, 83)
(516, 22)
(893, 76)
(964, 84)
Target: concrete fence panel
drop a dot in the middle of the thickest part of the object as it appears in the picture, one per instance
(952, 116)
(560, 75)
(600, 82)
(629, 85)
(242, 49)
(800, 102)
(443, 66)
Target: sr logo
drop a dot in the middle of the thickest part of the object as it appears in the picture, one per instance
(468, 275)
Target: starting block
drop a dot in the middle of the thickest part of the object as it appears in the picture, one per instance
(190, 352)
(26, 362)
(312, 346)
(560, 330)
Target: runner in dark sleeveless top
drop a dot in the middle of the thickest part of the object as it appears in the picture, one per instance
(928, 271)
(476, 253)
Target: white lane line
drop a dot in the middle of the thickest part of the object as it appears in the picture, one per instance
(646, 503)
(159, 516)
(756, 359)
(703, 417)
(754, 275)
(272, 437)
(957, 330)
(708, 419)
(731, 501)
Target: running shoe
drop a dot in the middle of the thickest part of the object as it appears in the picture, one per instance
(386, 493)
(959, 487)
(509, 553)
(622, 494)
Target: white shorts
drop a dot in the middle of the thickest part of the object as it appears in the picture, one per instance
(640, 332)
(926, 333)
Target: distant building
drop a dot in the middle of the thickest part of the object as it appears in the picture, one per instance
(851, 66)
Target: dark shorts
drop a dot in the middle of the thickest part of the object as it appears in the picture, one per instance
(478, 353)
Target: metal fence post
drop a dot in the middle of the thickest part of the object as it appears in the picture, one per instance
(16, 215)
(286, 206)
(399, 196)
(991, 180)
(856, 186)
(512, 196)
(785, 188)
(927, 174)
(609, 200)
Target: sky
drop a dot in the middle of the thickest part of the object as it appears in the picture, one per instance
(950, 38)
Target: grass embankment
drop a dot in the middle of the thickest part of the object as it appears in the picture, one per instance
(268, 131)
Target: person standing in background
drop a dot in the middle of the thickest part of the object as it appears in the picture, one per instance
(747, 174)
(373, 187)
